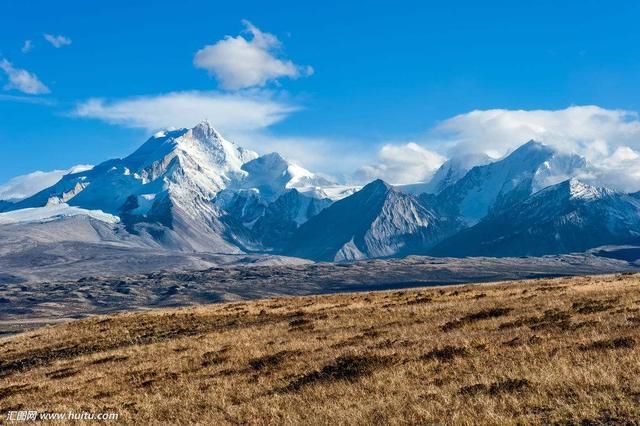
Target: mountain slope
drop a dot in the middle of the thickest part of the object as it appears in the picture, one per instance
(198, 160)
(275, 228)
(271, 175)
(166, 187)
(448, 174)
(549, 351)
(192, 190)
(267, 178)
(567, 217)
(376, 221)
(489, 188)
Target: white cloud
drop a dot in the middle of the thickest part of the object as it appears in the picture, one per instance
(238, 62)
(57, 41)
(582, 129)
(24, 186)
(242, 117)
(608, 139)
(36, 100)
(401, 164)
(243, 111)
(27, 46)
(22, 80)
(337, 158)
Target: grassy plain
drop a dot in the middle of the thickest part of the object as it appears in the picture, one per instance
(564, 351)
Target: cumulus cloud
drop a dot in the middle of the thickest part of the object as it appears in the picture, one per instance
(57, 41)
(27, 46)
(587, 129)
(239, 62)
(243, 111)
(24, 186)
(243, 117)
(608, 139)
(401, 164)
(22, 80)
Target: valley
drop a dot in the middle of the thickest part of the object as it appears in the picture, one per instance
(93, 285)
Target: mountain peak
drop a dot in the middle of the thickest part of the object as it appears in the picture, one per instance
(533, 143)
(201, 144)
(376, 221)
(532, 146)
(581, 190)
(450, 172)
(377, 189)
(574, 189)
(529, 156)
(272, 174)
(272, 160)
(377, 185)
(204, 130)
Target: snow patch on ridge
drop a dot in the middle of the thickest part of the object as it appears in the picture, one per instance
(54, 212)
(582, 191)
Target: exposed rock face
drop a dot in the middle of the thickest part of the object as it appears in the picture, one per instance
(489, 188)
(377, 221)
(191, 190)
(568, 217)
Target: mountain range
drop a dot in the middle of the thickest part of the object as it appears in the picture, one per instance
(191, 190)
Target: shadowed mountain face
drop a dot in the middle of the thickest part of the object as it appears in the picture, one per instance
(282, 218)
(489, 188)
(377, 221)
(567, 217)
(191, 190)
(5, 205)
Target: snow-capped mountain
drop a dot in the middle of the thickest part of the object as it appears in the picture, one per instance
(192, 190)
(197, 159)
(492, 187)
(455, 169)
(267, 178)
(273, 199)
(377, 221)
(272, 175)
(567, 217)
(449, 173)
(281, 218)
(165, 188)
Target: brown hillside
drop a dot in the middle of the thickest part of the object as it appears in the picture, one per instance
(545, 351)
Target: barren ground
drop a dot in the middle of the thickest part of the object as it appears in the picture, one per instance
(83, 291)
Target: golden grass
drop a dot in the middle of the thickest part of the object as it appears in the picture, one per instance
(535, 352)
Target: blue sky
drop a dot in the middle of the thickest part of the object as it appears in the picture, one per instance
(384, 74)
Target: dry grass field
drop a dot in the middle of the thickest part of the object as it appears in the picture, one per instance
(556, 351)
